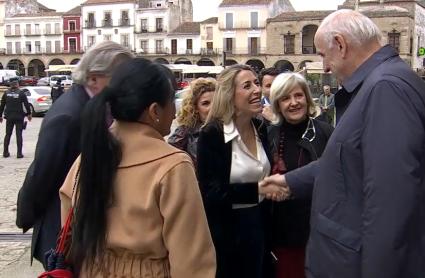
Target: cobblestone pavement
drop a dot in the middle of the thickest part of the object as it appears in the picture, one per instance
(12, 174)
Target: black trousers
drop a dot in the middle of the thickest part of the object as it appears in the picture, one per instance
(248, 241)
(18, 124)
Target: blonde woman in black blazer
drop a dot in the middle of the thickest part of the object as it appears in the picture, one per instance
(232, 159)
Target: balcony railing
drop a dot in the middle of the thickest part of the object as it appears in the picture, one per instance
(89, 24)
(32, 32)
(52, 33)
(107, 23)
(124, 22)
(245, 25)
(42, 50)
(246, 51)
(209, 51)
(16, 34)
(149, 29)
(69, 31)
(309, 49)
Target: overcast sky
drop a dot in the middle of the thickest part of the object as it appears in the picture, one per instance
(203, 9)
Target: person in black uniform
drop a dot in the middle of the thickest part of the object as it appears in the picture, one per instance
(57, 90)
(11, 104)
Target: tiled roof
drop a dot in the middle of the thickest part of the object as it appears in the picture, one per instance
(74, 11)
(95, 2)
(296, 16)
(211, 20)
(225, 3)
(192, 28)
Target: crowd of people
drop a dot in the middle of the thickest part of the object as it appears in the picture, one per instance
(251, 183)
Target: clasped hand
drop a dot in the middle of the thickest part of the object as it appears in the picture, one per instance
(275, 188)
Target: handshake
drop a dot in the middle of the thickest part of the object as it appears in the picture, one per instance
(274, 188)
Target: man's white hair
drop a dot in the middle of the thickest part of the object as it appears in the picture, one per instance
(355, 27)
(101, 58)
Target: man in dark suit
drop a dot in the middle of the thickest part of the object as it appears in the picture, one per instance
(368, 209)
(58, 146)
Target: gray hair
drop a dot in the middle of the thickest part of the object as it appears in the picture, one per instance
(356, 28)
(282, 85)
(101, 58)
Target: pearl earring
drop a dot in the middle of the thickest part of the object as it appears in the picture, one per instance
(157, 120)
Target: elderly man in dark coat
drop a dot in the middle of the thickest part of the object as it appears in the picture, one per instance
(58, 146)
(368, 210)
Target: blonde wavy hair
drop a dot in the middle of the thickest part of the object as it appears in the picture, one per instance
(187, 115)
(223, 105)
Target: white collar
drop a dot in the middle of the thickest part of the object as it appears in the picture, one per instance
(230, 131)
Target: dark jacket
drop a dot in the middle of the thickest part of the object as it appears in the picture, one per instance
(290, 219)
(12, 103)
(213, 169)
(186, 139)
(58, 146)
(368, 206)
(56, 92)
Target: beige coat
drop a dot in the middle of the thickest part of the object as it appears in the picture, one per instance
(157, 226)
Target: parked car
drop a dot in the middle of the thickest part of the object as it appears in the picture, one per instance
(44, 81)
(66, 80)
(28, 81)
(39, 99)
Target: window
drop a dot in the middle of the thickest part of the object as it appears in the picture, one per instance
(91, 23)
(189, 44)
(37, 29)
(209, 33)
(144, 46)
(124, 18)
(28, 29)
(17, 29)
(289, 44)
(9, 48)
(57, 46)
(254, 20)
(143, 25)
(229, 21)
(8, 30)
(28, 47)
(48, 29)
(159, 46)
(107, 19)
(18, 47)
(48, 46)
(253, 46)
(125, 40)
(99, 32)
(107, 37)
(228, 42)
(72, 26)
(72, 45)
(91, 40)
(159, 26)
(57, 28)
(37, 47)
(394, 40)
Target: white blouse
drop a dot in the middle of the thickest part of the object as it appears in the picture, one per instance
(245, 166)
